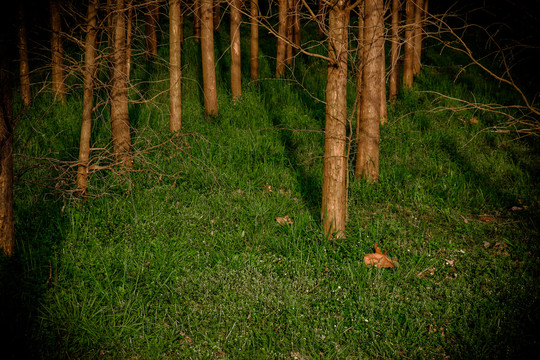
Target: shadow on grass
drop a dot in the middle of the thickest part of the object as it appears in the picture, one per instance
(25, 279)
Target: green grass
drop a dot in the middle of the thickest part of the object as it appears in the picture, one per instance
(183, 257)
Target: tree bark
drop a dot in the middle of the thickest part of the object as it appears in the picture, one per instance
(297, 26)
(383, 111)
(175, 65)
(217, 14)
(408, 58)
(236, 73)
(129, 36)
(24, 68)
(197, 20)
(290, 33)
(394, 52)
(360, 54)
(7, 227)
(367, 158)
(57, 52)
(119, 102)
(150, 25)
(254, 43)
(88, 96)
(208, 64)
(418, 30)
(334, 192)
(281, 45)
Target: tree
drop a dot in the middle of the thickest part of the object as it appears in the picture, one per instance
(119, 102)
(7, 227)
(207, 52)
(150, 25)
(367, 158)
(254, 43)
(394, 52)
(408, 59)
(175, 41)
(88, 96)
(197, 19)
(418, 31)
(236, 74)
(334, 192)
(129, 36)
(57, 52)
(24, 68)
(282, 36)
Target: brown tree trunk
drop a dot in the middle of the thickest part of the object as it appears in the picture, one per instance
(129, 36)
(334, 192)
(297, 26)
(88, 96)
(408, 58)
(394, 52)
(24, 68)
(236, 73)
(208, 64)
(383, 111)
(175, 65)
(57, 52)
(418, 30)
(7, 227)
(197, 19)
(254, 43)
(281, 44)
(217, 14)
(119, 102)
(150, 25)
(367, 158)
(360, 54)
(321, 17)
(290, 33)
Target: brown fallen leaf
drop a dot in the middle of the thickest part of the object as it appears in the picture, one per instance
(379, 259)
(285, 220)
(267, 188)
(487, 218)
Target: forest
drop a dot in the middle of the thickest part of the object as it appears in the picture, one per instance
(273, 179)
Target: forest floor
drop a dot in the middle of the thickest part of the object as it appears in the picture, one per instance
(212, 246)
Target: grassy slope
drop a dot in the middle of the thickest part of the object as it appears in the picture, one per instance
(184, 258)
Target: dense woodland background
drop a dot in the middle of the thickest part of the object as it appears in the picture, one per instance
(209, 179)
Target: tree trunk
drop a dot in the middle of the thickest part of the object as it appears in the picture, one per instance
(281, 45)
(175, 65)
(297, 26)
(88, 96)
(208, 64)
(334, 192)
(150, 25)
(129, 36)
(197, 19)
(408, 58)
(418, 30)
(383, 111)
(360, 54)
(394, 52)
(321, 18)
(367, 158)
(7, 237)
(290, 33)
(24, 68)
(57, 52)
(236, 73)
(217, 14)
(119, 101)
(254, 44)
